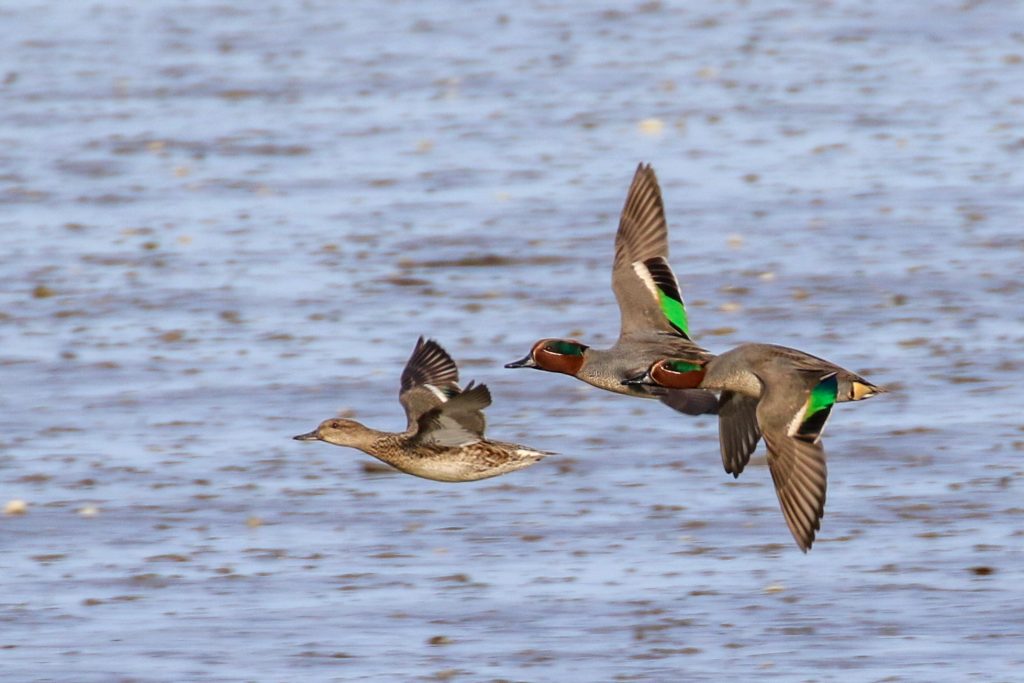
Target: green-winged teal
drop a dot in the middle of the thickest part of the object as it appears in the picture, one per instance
(653, 316)
(444, 438)
(781, 394)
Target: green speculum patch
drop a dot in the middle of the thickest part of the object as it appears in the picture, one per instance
(675, 311)
(823, 395)
(819, 406)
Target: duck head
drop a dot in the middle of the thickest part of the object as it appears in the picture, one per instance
(554, 355)
(338, 431)
(670, 374)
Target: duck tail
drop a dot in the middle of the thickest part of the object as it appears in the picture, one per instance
(530, 455)
(861, 389)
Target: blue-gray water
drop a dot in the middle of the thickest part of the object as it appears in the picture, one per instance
(221, 223)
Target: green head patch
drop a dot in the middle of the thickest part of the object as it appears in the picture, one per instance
(565, 347)
(682, 366)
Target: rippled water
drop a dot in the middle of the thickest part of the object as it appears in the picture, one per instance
(223, 223)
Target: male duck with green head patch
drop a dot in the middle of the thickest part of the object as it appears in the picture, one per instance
(653, 316)
(783, 395)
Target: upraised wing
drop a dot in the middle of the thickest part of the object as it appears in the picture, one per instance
(429, 379)
(459, 421)
(644, 284)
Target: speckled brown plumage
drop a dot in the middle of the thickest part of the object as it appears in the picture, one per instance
(444, 437)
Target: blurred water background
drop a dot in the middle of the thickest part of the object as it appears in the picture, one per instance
(222, 222)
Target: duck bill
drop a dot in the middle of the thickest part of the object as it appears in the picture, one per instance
(643, 380)
(527, 362)
(308, 436)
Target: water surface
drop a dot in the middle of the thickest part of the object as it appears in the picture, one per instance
(222, 224)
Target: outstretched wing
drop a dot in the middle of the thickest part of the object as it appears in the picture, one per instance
(459, 421)
(429, 379)
(738, 432)
(644, 284)
(792, 413)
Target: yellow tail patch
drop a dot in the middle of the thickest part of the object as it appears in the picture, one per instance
(861, 390)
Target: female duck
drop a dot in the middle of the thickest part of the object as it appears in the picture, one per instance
(444, 437)
(782, 394)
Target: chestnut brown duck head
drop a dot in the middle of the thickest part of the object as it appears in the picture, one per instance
(672, 374)
(566, 356)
